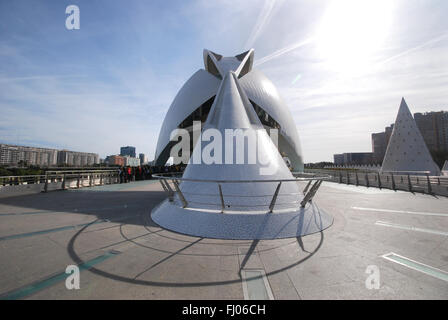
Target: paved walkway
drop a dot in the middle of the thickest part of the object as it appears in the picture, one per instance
(123, 254)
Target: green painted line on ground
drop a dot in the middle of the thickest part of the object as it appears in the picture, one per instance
(38, 286)
(34, 233)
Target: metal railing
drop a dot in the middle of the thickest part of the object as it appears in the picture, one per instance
(171, 184)
(412, 181)
(57, 180)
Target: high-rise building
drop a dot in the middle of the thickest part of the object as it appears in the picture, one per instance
(434, 129)
(379, 143)
(143, 158)
(128, 151)
(338, 159)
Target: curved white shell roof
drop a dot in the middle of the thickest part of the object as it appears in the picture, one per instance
(198, 89)
(204, 84)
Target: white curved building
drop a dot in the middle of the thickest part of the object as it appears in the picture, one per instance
(245, 190)
(195, 98)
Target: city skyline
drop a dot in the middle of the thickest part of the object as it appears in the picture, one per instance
(115, 77)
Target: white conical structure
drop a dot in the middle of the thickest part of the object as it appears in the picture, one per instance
(407, 151)
(235, 187)
(445, 168)
(233, 111)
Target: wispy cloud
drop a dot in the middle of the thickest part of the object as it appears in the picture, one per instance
(283, 51)
(110, 84)
(263, 19)
(421, 46)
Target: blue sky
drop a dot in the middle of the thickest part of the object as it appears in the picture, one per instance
(341, 66)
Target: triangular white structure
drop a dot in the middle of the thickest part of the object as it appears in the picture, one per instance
(232, 110)
(445, 168)
(407, 151)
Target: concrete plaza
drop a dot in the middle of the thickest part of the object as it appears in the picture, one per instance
(122, 254)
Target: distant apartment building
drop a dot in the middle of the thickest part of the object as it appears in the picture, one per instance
(14, 155)
(143, 158)
(380, 141)
(131, 161)
(78, 159)
(434, 128)
(353, 158)
(338, 159)
(128, 151)
(115, 160)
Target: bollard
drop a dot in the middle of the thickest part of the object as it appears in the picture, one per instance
(367, 180)
(356, 178)
(274, 198)
(429, 184)
(222, 198)
(46, 183)
(409, 184)
(393, 181)
(63, 181)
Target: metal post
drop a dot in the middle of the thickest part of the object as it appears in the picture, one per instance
(309, 196)
(79, 179)
(429, 184)
(167, 187)
(367, 180)
(63, 181)
(393, 181)
(101, 178)
(181, 196)
(307, 186)
(222, 198)
(274, 198)
(90, 179)
(409, 183)
(379, 180)
(163, 185)
(340, 177)
(356, 176)
(46, 183)
(348, 178)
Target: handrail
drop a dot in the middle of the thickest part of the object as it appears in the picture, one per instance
(420, 181)
(175, 178)
(160, 176)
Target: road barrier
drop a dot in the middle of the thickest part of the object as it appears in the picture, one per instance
(56, 180)
(412, 181)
